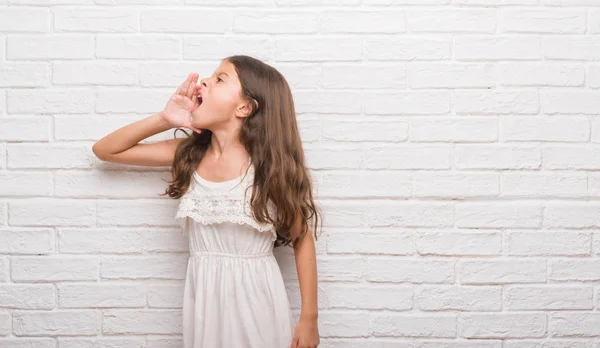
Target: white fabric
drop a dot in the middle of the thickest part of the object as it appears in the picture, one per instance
(234, 294)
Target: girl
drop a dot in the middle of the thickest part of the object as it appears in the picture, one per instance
(244, 189)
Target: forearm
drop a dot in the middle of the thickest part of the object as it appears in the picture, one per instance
(129, 135)
(306, 267)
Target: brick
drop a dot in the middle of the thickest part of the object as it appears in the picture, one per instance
(407, 49)
(4, 269)
(364, 21)
(313, 2)
(26, 241)
(171, 74)
(509, 47)
(50, 101)
(487, 102)
(141, 322)
(108, 184)
(90, 127)
(185, 21)
(388, 214)
(542, 128)
(318, 49)
(59, 156)
(505, 271)
(303, 75)
(365, 184)
(138, 47)
(343, 128)
(131, 100)
(452, 21)
(548, 243)
(502, 325)
(165, 296)
(24, 74)
(21, 296)
(571, 157)
(497, 157)
(459, 298)
(118, 342)
(571, 48)
(448, 243)
(217, 48)
(101, 295)
(548, 297)
(574, 324)
(537, 74)
(593, 75)
(24, 20)
(97, 241)
(47, 211)
(38, 129)
(276, 22)
(373, 242)
(451, 75)
(543, 185)
(132, 213)
(96, 20)
(413, 271)
(94, 73)
(25, 184)
(60, 322)
(53, 268)
(543, 21)
(594, 22)
(404, 325)
(341, 269)
(569, 102)
(369, 297)
(144, 267)
(498, 214)
(574, 270)
(327, 102)
(572, 215)
(496, 2)
(43, 47)
(407, 103)
(454, 129)
(28, 343)
(570, 2)
(343, 324)
(382, 75)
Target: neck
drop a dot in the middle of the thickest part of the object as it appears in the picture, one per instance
(226, 143)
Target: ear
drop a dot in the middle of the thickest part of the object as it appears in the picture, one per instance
(246, 108)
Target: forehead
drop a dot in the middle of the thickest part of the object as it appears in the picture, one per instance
(226, 67)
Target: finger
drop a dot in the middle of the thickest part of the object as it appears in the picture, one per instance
(192, 85)
(294, 343)
(185, 85)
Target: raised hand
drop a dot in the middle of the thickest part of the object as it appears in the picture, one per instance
(177, 112)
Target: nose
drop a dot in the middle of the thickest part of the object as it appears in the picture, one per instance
(203, 82)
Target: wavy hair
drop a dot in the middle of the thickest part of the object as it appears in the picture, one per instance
(271, 137)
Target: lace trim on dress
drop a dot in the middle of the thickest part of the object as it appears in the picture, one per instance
(210, 209)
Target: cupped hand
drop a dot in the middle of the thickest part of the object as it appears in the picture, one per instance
(178, 111)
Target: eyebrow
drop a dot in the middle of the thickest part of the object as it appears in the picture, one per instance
(223, 73)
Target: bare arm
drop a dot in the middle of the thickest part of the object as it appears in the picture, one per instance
(122, 145)
(307, 333)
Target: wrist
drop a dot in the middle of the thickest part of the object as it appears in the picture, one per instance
(161, 117)
(309, 315)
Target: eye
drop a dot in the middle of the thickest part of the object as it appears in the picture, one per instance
(219, 79)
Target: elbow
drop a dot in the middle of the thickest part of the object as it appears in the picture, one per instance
(98, 152)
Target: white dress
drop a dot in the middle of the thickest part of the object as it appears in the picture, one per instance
(234, 295)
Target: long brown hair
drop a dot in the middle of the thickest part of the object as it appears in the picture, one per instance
(270, 135)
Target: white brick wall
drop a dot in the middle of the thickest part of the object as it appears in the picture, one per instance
(454, 143)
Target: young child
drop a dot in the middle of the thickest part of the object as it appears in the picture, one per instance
(243, 189)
